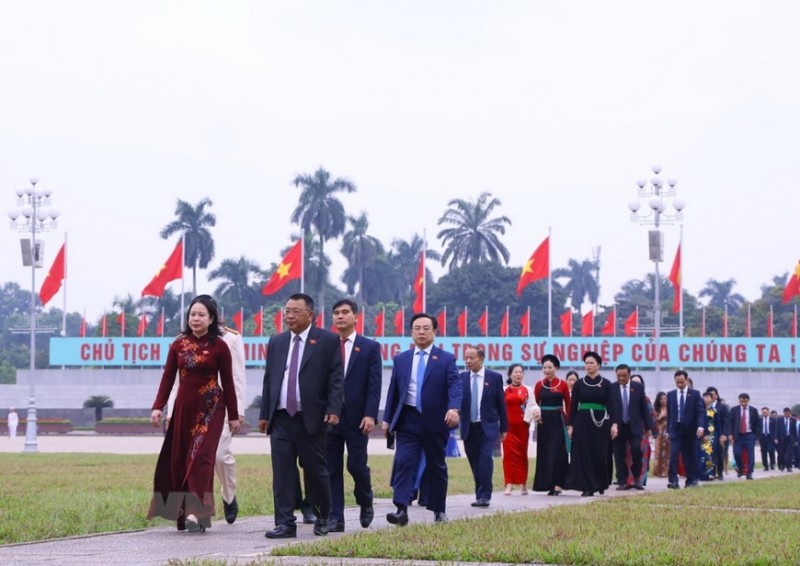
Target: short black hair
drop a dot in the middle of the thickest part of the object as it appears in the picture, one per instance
(211, 306)
(681, 372)
(623, 367)
(424, 315)
(551, 358)
(349, 302)
(712, 389)
(594, 355)
(744, 396)
(787, 409)
(305, 298)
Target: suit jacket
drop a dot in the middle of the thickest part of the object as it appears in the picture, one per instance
(639, 415)
(723, 419)
(694, 411)
(736, 418)
(781, 426)
(362, 382)
(493, 405)
(441, 389)
(319, 377)
(772, 435)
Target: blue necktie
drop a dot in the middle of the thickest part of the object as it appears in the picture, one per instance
(420, 378)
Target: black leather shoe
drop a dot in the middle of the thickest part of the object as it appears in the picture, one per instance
(673, 486)
(638, 485)
(308, 517)
(399, 517)
(337, 527)
(321, 527)
(441, 517)
(587, 494)
(282, 531)
(749, 476)
(231, 510)
(623, 487)
(366, 516)
(480, 503)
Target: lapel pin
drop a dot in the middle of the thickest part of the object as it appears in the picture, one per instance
(356, 348)
(312, 342)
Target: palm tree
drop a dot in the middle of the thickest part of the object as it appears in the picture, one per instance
(360, 249)
(720, 294)
(474, 235)
(404, 260)
(194, 223)
(98, 403)
(320, 209)
(237, 277)
(582, 282)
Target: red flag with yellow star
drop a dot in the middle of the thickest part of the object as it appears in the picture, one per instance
(52, 283)
(170, 271)
(537, 267)
(290, 267)
(419, 286)
(793, 286)
(675, 279)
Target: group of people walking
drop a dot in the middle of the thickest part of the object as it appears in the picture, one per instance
(321, 394)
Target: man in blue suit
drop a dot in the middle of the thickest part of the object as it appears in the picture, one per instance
(483, 410)
(422, 405)
(745, 427)
(787, 439)
(685, 425)
(362, 395)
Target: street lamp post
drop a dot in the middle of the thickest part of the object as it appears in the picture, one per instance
(33, 214)
(656, 193)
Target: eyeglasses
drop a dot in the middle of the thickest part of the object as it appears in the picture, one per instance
(294, 312)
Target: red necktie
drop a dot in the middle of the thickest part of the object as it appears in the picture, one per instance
(743, 424)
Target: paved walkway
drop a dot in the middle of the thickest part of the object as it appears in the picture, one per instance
(243, 541)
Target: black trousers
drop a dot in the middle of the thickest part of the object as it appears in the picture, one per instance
(767, 452)
(356, 442)
(627, 438)
(291, 441)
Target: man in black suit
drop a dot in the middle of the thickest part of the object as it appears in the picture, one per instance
(301, 396)
(745, 428)
(685, 420)
(722, 417)
(630, 421)
(768, 439)
(362, 395)
(787, 439)
(422, 405)
(483, 419)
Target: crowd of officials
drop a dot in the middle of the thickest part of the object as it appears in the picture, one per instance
(320, 398)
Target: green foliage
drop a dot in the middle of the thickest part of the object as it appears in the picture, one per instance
(193, 222)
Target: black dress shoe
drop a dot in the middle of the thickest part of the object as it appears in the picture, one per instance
(308, 517)
(321, 527)
(623, 487)
(587, 494)
(749, 476)
(673, 486)
(231, 510)
(638, 485)
(480, 503)
(366, 516)
(399, 517)
(441, 516)
(282, 531)
(552, 492)
(337, 527)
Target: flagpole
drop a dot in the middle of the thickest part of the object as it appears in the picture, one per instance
(549, 287)
(529, 321)
(486, 318)
(703, 323)
(636, 330)
(303, 261)
(64, 314)
(183, 269)
(771, 323)
(163, 322)
(615, 320)
(680, 280)
(725, 322)
(749, 322)
(508, 324)
(261, 330)
(424, 267)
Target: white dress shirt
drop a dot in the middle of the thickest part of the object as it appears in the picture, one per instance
(411, 395)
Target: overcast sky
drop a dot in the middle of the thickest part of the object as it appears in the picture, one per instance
(556, 108)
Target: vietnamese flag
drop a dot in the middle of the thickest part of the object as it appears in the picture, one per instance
(793, 286)
(360, 323)
(631, 323)
(399, 323)
(321, 320)
(725, 322)
(587, 324)
(675, 279)
(160, 325)
(290, 267)
(504, 327)
(52, 283)
(238, 320)
(121, 322)
(483, 322)
(419, 286)
(258, 319)
(537, 267)
(441, 320)
(770, 319)
(566, 323)
(461, 322)
(170, 271)
(83, 326)
(379, 325)
(278, 321)
(525, 323)
(610, 327)
(104, 326)
(142, 325)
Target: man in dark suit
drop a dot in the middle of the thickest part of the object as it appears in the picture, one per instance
(768, 439)
(483, 419)
(301, 396)
(787, 439)
(630, 420)
(362, 395)
(685, 420)
(722, 417)
(745, 428)
(422, 405)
